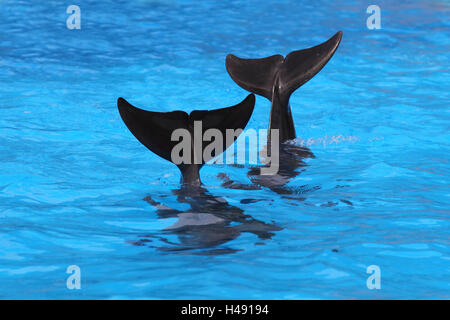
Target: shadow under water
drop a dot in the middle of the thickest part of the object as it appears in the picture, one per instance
(209, 223)
(291, 164)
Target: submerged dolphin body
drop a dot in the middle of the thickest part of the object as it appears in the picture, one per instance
(276, 78)
(207, 226)
(154, 130)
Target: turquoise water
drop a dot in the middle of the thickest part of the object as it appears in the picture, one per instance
(76, 188)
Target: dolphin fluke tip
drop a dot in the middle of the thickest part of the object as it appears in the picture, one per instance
(334, 41)
(120, 101)
(123, 106)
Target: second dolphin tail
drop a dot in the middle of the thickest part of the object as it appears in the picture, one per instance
(154, 130)
(260, 76)
(276, 78)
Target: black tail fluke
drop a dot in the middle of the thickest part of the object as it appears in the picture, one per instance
(260, 75)
(276, 78)
(300, 66)
(154, 130)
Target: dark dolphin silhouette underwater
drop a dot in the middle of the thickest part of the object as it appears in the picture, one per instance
(211, 221)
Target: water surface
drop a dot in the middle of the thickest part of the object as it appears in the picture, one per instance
(76, 188)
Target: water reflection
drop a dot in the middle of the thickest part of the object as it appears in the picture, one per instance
(209, 223)
(291, 164)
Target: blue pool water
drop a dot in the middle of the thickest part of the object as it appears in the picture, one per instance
(76, 188)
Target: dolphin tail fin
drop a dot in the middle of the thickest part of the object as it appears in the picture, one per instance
(300, 66)
(259, 75)
(154, 130)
